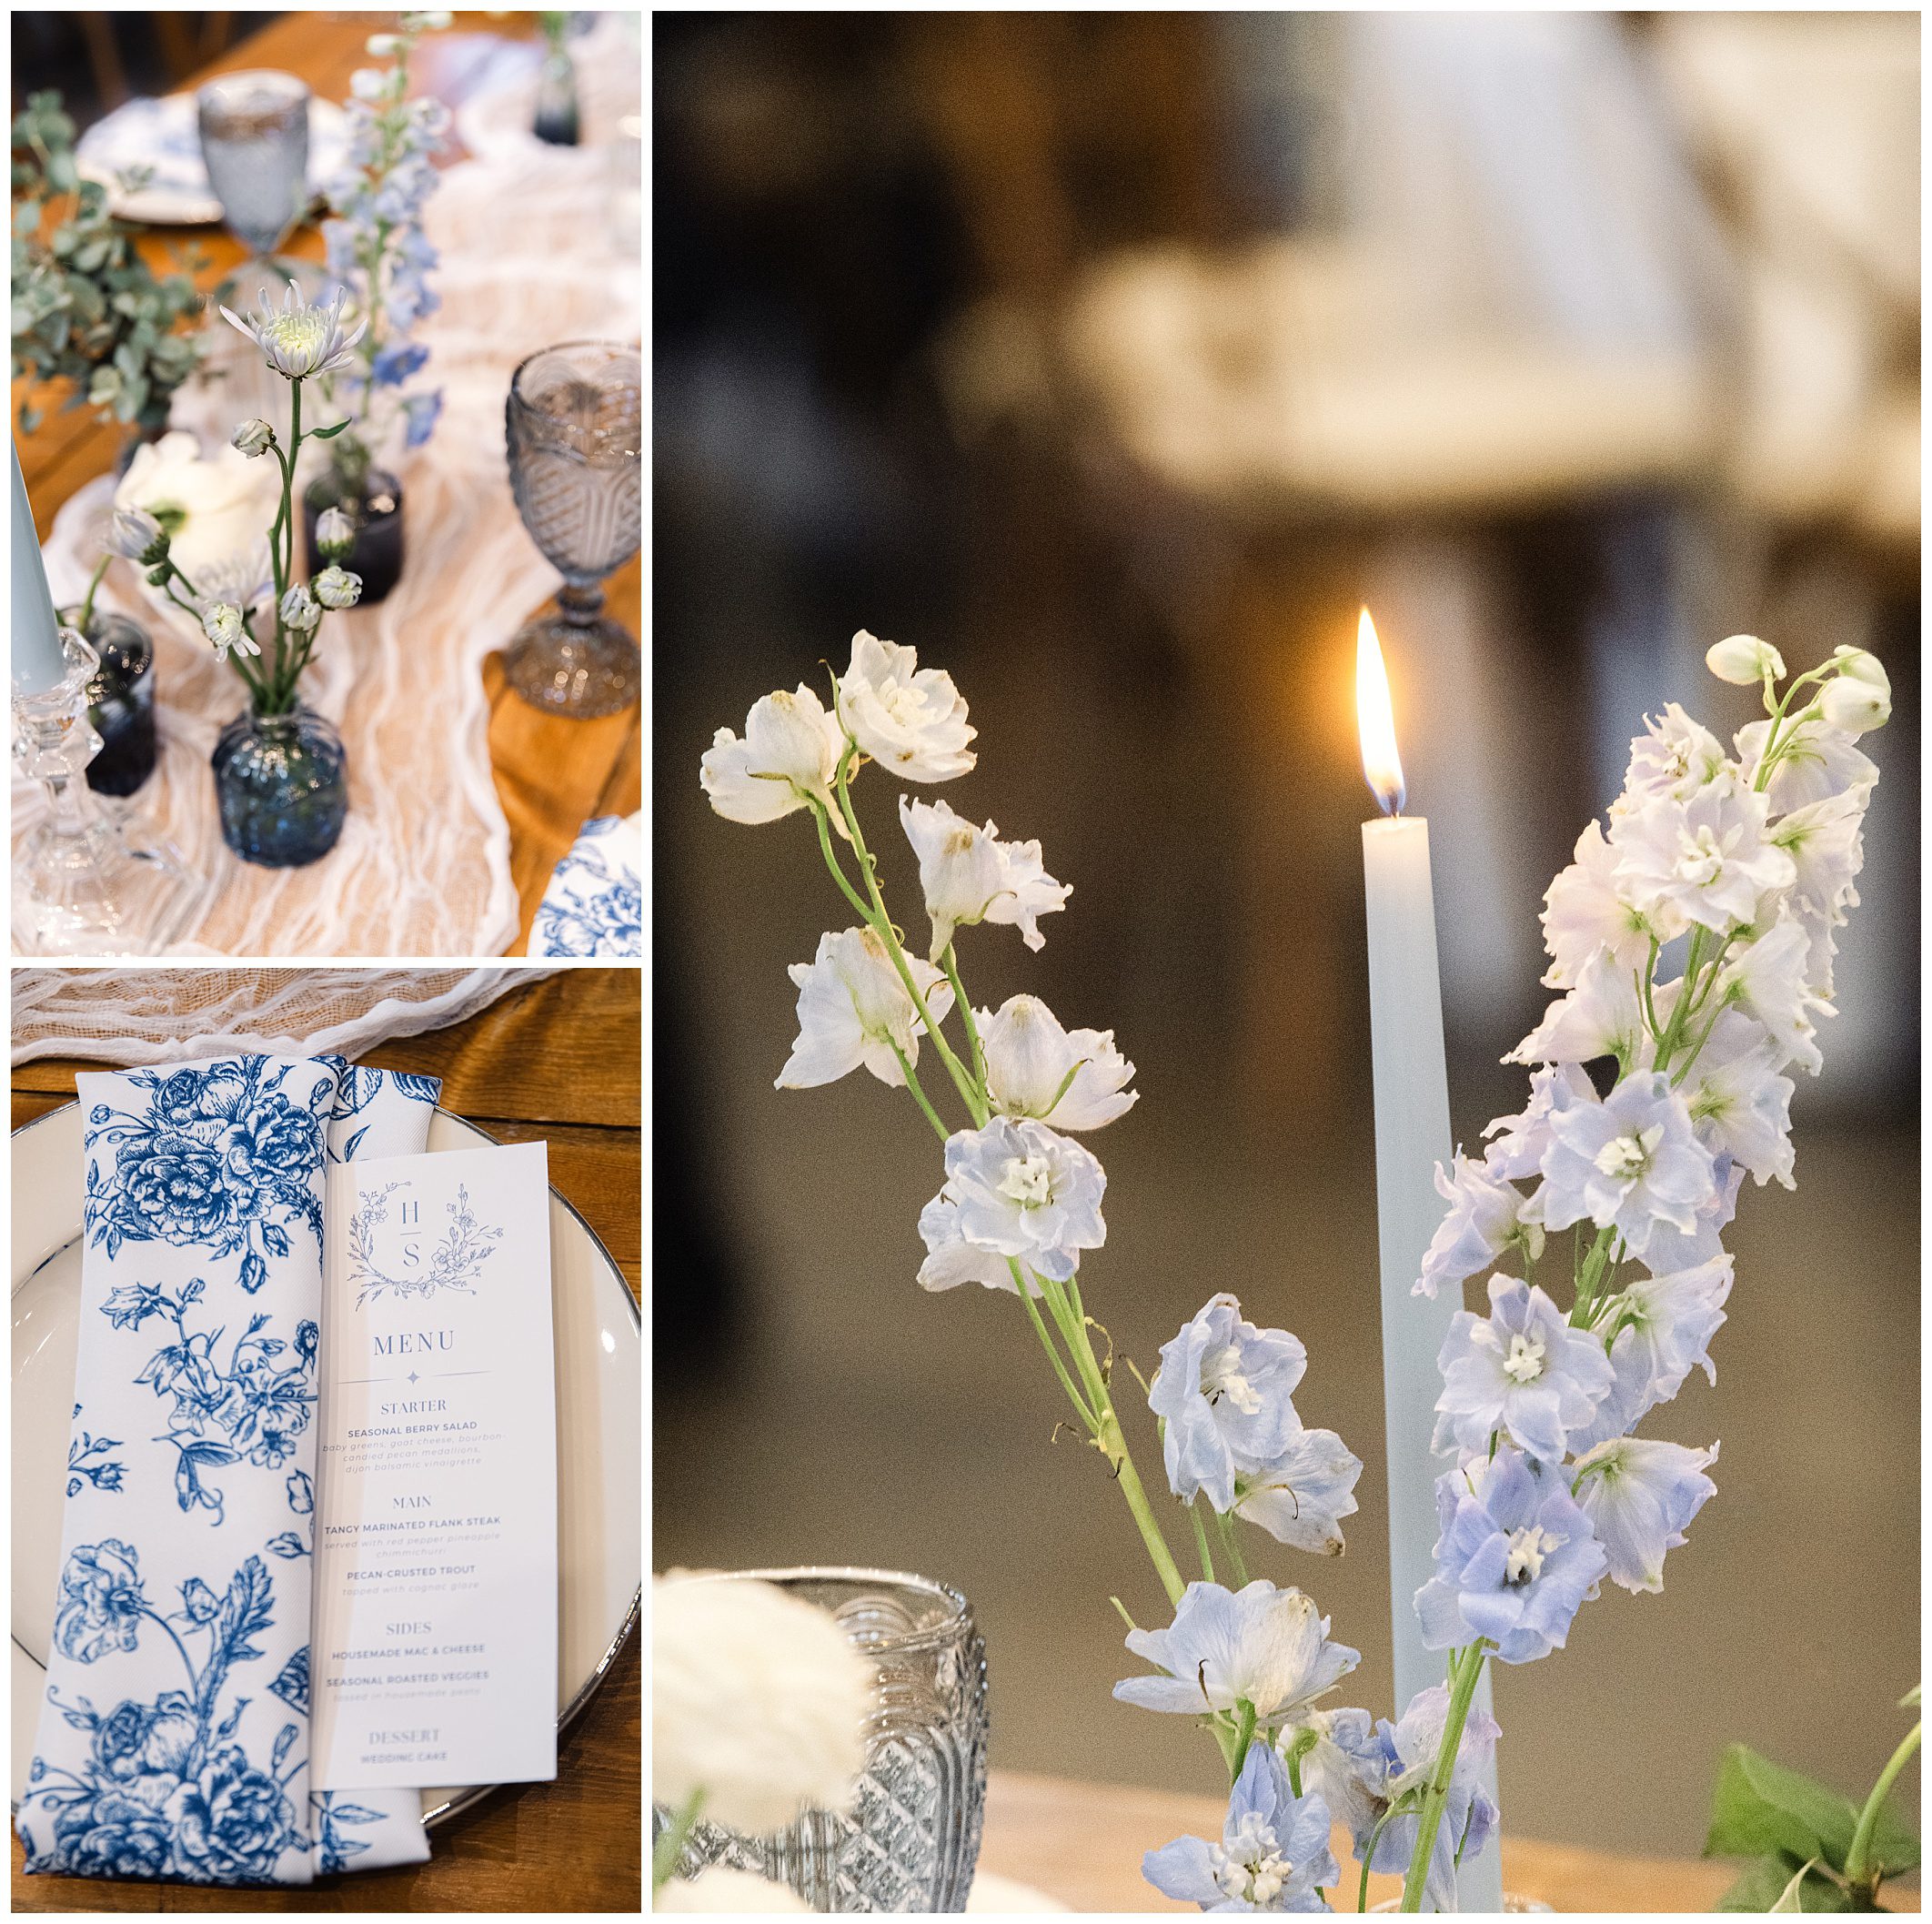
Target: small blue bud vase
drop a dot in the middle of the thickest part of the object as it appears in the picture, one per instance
(281, 783)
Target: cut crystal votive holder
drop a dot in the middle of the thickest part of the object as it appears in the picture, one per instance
(912, 1839)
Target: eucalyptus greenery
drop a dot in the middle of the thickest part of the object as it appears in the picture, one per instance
(87, 310)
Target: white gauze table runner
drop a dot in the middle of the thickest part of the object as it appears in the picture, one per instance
(423, 864)
(174, 1734)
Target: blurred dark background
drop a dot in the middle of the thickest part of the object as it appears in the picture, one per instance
(1114, 360)
(97, 61)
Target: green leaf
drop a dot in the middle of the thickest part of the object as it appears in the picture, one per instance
(1768, 1884)
(1759, 1807)
(326, 434)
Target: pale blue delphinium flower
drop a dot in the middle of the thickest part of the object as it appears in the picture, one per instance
(1301, 1497)
(1272, 1854)
(1630, 1161)
(1517, 1143)
(1640, 1497)
(1348, 1765)
(1409, 1749)
(1739, 1104)
(1659, 1329)
(1486, 1218)
(1021, 1190)
(1520, 1369)
(395, 362)
(1515, 1559)
(419, 417)
(1258, 1646)
(1223, 1390)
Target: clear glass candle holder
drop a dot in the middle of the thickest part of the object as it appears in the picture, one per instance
(912, 1839)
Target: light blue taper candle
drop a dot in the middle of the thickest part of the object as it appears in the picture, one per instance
(1412, 1135)
(37, 663)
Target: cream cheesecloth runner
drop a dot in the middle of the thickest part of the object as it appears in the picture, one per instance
(174, 1734)
(423, 864)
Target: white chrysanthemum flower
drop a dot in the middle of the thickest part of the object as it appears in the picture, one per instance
(221, 622)
(910, 720)
(1702, 859)
(1743, 660)
(246, 580)
(721, 1889)
(336, 587)
(134, 535)
(757, 1703)
(1074, 1079)
(297, 339)
(299, 608)
(853, 1011)
(1815, 761)
(970, 875)
(787, 761)
(1584, 910)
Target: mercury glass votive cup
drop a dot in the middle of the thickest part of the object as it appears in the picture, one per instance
(255, 141)
(574, 423)
(912, 1839)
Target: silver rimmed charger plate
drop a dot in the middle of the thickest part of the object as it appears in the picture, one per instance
(600, 1427)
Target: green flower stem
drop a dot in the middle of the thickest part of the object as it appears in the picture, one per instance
(837, 870)
(975, 1101)
(919, 1095)
(1243, 1738)
(87, 609)
(1228, 1542)
(963, 1002)
(669, 1846)
(1589, 1275)
(1463, 1672)
(1053, 1356)
(1368, 1857)
(1857, 1870)
(1200, 1543)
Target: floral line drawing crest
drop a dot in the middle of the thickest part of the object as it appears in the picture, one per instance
(166, 1789)
(222, 1160)
(454, 1263)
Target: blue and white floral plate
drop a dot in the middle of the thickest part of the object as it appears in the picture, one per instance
(161, 137)
(600, 1420)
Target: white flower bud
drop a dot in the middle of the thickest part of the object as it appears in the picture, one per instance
(335, 533)
(299, 608)
(1862, 665)
(1855, 704)
(221, 622)
(1744, 660)
(336, 588)
(381, 47)
(136, 536)
(253, 438)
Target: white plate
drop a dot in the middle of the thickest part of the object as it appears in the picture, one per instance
(599, 1418)
(163, 136)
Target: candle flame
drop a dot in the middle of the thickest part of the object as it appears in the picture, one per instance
(1376, 718)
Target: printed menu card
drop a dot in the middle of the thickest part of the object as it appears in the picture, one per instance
(434, 1631)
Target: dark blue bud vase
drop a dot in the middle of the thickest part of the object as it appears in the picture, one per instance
(120, 700)
(374, 505)
(281, 782)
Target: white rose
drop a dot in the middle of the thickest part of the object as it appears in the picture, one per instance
(214, 507)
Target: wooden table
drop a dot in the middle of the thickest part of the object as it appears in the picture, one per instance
(1082, 1844)
(556, 1060)
(552, 776)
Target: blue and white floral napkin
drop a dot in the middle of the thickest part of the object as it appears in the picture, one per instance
(594, 903)
(174, 1738)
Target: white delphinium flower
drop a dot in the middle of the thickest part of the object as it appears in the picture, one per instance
(719, 1888)
(787, 761)
(253, 438)
(1600, 1016)
(1768, 979)
(336, 587)
(1630, 1161)
(1814, 761)
(970, 875)
(757, 1703)
(1825, 842)
(221, 622)
(1640, 1496)
(1739, 1104)
(1486, 1218)
(910, 720)
(1301, 1497)
(1673, 758)
(1859, 696)
(1016, 1189)
(299, 608)
(951, 1260)
(1584, 910)
(1074, 1079)
(1702, 859)
(298, 339)
(1744, 660)
(854, 1011)
(335, 533)
(1517, 1143)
